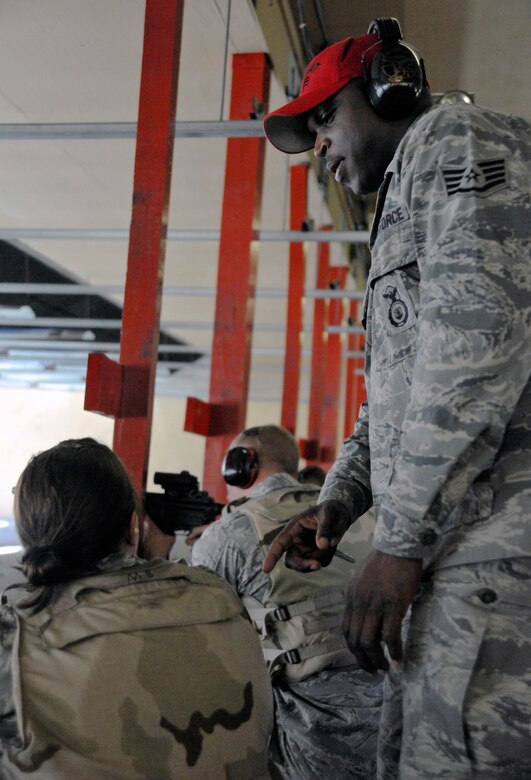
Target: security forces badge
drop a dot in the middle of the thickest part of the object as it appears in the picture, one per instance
(398, 305)
(398, 310)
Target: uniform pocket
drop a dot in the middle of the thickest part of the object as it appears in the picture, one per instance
(394, 304)
(467, 675)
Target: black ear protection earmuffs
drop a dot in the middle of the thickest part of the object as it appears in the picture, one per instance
(240, 465)
(395, 79)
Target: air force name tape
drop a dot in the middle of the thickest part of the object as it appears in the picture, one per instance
(394, 217)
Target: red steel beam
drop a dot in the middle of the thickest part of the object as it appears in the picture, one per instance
(132, 405)
(294, 320)
(332, 374)
(310, 448)
(224, 415)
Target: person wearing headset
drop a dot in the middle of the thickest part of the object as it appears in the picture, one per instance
(326, 708)
(442, 447)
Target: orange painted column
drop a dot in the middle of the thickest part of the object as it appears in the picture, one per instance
(223, 416)
(125, 390)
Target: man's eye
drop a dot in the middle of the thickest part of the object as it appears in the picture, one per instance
(327, 117)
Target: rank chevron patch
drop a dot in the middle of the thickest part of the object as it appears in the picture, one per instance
(477, 177)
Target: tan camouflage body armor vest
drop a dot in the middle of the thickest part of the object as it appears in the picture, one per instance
(299, 621)
(151, 672)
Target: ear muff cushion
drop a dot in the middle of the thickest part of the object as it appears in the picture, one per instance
(240, 467)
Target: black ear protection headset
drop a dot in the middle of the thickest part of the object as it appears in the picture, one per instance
(395, 79)
(240, 465)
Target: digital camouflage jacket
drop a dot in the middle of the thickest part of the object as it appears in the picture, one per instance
(442, 448)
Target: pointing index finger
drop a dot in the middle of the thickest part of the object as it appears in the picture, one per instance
(281, 543)
(297, 538)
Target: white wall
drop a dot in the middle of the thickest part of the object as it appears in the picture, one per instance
(481, 46)
(33, 420)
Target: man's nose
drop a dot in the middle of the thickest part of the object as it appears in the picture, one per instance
(321, 145)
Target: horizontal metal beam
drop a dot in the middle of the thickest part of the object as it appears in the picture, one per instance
(163, 389)
(59, 345)
(21, 288)
(350, 329)
(23, 374)
(251, 128)
(34, 361)
(122, 234)
(6, 344)
(57, 323)
(316, 236)
(64, 322)
(50, 351)
(45, 353)
(178, 388)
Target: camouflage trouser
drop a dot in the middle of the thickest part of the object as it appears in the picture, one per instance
(390, 730)
(466, 677)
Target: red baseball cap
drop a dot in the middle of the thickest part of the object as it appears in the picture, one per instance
(326, 74)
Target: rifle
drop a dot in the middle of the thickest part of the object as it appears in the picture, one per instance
(182, 506)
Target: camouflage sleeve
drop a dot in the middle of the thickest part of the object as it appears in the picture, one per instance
(348, 480)
(474, 321)
(8, 724)
(231, 549)
(219, 551)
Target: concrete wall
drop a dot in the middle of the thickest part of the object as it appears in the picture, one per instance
(33, 420)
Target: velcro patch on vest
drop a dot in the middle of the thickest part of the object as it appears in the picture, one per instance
(393, 217)
(477, 178)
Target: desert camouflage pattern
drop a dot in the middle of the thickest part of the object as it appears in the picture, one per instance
(446, 434)
(144, 670)
(325, 725)
(9, 734)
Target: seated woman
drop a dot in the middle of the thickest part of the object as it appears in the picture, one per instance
(116, 667)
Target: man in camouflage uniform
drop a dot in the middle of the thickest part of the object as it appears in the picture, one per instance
(327, 709)
(442, 448)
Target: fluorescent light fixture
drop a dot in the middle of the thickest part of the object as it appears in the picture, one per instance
(17, 312)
